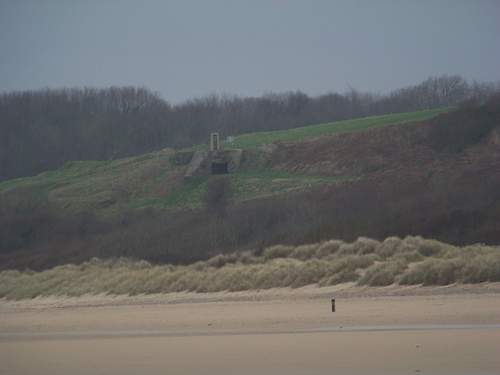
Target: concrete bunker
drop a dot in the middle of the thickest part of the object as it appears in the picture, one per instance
(219, 162)
(215, 161)
(214, 142)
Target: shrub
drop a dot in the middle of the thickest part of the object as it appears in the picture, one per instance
(444, 272)
(200, 265)
(278, 273)
(247, 257)
(221, 260)
(351, 263)
(382, 274)
(277, 251)
(409, 244)
(310, 272)
(347, 249)
(389, 247)
(304, 252)
(430, 248)
(435, 272)
(414, 275)
(482, 268)
(408, 257)
(328, 248)
(343, 276)
(365, 245)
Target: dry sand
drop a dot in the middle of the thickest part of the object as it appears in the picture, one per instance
(452, 330)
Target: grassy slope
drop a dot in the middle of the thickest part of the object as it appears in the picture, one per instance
(152, 180)
(97, 185)
(246, 185)
(253, 140)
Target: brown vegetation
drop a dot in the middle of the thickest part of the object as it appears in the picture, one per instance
(408, 188)
(365, 261)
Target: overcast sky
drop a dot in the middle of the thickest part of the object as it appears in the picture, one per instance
(184, 49)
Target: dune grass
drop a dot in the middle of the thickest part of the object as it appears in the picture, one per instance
(408, 261)
(253, 140)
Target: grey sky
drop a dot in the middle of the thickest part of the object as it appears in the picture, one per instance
(185, 48)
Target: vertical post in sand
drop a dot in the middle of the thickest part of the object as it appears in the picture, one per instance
(333, 304)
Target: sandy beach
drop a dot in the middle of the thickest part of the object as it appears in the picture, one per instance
(452, 330)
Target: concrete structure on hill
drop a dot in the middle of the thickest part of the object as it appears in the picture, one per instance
(214, 142)
(215, 161)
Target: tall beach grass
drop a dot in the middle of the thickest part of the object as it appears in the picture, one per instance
(405, 261)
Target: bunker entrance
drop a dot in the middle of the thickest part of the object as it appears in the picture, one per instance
(219, 168)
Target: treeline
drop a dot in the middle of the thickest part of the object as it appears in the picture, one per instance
(41, 130)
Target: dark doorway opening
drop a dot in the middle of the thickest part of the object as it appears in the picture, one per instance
(219, 168)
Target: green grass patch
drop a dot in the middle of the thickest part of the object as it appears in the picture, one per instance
(146, 181)
(252, 140)
(190, 194)
(103, 186)
(71, 171)
(265, 182)
(245, 185)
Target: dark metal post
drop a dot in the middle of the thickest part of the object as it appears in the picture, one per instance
(333, 304)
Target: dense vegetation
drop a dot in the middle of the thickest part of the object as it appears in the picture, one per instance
(155, 179)
(408, 261)
(393, 181)
(41, 130)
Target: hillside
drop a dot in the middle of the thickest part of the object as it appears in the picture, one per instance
(156, 179)
(44, 129)
(339, 180)
(347, 126)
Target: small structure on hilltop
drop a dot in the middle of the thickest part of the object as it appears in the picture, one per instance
(215, 161)
(214, 142)
(219, 162)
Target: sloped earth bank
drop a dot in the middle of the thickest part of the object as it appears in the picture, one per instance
(460, 139)
(392, 330)
(438, 178)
